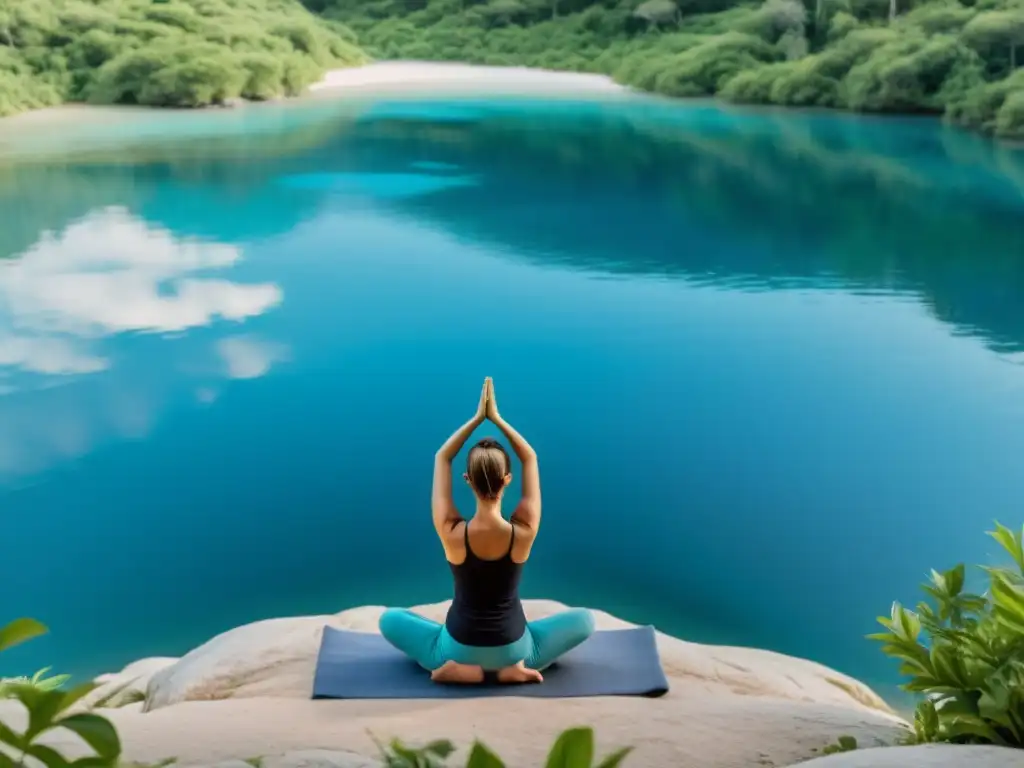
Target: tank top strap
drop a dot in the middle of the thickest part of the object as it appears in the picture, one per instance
(512, 541)
(469, 550)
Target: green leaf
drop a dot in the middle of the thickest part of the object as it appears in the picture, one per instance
(50, 757)
(968, 725)
(6, 761)
(573, 749)
(956, 704)
(847, 743)
(407, 756)
(57, 681)
(95, 731)
(945, 665)
(76, 693)
(482, 757)
(20, 631)
(53, 683)
(882, 637)
(1010, 623)
(442, 748)
(615, 758)
(1007, 599)
(43, 708)
(99, 762)
(910, 625)
(927, 718)
(994, 706)
(1012, 543)
(954, 579)
(14, 740)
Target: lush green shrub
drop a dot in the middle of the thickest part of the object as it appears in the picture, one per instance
(841, 25)
(802, 85)
(47, 709)
(997, 32)
(1010, 117)
(938, 56)
(574, 748)
(965, 653)
(176, 53)
(941, 18)
(907, 74)
(980, 107)
(753, 86)
(705, 68)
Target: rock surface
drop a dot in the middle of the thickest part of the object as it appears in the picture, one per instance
(246, 694)
(926, 756)
(318, 758)
(126, 687)
(277, 657)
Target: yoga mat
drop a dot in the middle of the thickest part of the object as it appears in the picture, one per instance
(361, 665)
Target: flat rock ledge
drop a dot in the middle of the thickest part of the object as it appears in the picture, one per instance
(242, 700)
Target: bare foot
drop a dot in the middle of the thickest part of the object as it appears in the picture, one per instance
(519, 674)
(453, 672)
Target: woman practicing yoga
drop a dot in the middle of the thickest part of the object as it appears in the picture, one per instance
(486, 629)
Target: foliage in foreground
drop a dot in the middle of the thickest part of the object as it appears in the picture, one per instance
(574, 748)
(844, 744)
(38, 680)
(48, 710)
(907, 56)
(162, 52)
(965, 653)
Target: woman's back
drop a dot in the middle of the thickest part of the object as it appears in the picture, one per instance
(486, 610)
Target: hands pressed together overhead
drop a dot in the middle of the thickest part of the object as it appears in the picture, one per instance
(488, 407)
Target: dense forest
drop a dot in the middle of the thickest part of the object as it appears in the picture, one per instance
(909, 56)
(959, 59)
(162, 52)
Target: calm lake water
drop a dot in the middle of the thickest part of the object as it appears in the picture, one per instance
(772, 363)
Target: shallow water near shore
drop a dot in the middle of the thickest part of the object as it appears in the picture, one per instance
(771, 363)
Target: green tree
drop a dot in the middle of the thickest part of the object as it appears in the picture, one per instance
(658, 12)
(997, 29)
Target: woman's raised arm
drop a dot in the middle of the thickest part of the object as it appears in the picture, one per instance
(442, 504)
(527, 514)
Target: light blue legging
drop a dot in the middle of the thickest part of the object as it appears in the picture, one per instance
(430, 645)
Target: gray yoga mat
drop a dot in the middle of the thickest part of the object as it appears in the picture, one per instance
(360, 665)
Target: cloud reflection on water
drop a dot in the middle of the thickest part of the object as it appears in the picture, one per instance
(248, 357)
(106, 275)
(110, 272)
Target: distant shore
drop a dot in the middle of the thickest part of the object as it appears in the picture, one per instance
(386, 77)
(432, 77)
(86, 124)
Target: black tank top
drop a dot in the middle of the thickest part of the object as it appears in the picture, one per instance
(486, 610)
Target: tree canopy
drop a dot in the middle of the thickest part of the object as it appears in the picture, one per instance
(175, 53)
(958, 59)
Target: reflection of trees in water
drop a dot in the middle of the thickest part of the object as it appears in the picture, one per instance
(862, 204)
(641, 188)
(226, 174)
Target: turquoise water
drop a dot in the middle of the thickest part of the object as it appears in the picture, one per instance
(772, 363)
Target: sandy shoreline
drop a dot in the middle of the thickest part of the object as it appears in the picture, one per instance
(430, 77)
(392, 78)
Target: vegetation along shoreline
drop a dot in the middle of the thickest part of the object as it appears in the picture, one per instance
(958, 60)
